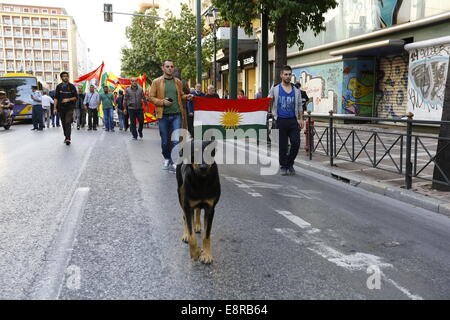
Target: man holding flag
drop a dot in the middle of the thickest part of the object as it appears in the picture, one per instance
(288, 113)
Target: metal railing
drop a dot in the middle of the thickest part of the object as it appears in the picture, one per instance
(348, 144)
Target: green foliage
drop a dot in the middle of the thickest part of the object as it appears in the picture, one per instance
(174, 40)
(300, 15)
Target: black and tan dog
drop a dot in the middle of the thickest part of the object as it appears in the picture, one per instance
(198, 188)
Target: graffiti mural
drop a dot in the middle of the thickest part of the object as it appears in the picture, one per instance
(427, 76)
(358, 87)
(392, 12)
(392, 86)
(323, 84)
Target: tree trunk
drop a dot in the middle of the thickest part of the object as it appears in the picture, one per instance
(443, 159)
(280, 48)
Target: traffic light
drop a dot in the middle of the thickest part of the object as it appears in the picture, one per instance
(108, 12)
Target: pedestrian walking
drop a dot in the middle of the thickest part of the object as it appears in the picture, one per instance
(66, 96)
(55, 117)
(80, 110)
(119, 106)
(134, 97)
(91, 103)
(212, 92)
(167, 94)
(197, 92)
(37, 114)
(47, 102)
(305, 98)
(107, 100)
(288, 113)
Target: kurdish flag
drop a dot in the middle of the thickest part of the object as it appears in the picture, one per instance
(226, 114)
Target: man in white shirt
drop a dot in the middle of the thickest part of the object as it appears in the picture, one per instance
(91, 103)
(47, 101)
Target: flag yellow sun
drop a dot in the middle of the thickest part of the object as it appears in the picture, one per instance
(230, 119)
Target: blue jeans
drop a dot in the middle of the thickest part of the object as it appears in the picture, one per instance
(167, 125)
(108, 115)
(120, 115)
(38, 117)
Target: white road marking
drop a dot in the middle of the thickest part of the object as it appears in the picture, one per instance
(351, 262)
(50, 282)
(297, 220)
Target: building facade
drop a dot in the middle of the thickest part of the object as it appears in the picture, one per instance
(377, 58)
(42, 41)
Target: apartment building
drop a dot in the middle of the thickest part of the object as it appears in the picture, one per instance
(42, 41)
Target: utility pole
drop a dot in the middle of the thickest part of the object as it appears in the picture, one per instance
(264, 55)
(199, 41)
(233, 81)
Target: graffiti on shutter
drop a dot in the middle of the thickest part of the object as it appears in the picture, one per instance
(392, 86)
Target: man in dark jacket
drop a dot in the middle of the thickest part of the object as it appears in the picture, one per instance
(66, 97)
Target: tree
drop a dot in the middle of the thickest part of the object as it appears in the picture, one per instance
(443, 149)
(152, 43)
(177, 42)
(142, 57)
(287, 18)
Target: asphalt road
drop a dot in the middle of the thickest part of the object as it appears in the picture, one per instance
(100, 220)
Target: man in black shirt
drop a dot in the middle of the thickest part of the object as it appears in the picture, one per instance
(66, 97)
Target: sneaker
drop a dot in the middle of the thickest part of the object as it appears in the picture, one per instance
(90, 129)
(173, 168)
(95, 129)
(166, 164)
(291, 171)
(283, 172)
(112, 130)
(141, 135)
(135, 138)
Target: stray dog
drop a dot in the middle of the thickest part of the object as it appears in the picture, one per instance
(198, 188)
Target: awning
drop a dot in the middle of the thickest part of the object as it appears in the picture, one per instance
(371, 49)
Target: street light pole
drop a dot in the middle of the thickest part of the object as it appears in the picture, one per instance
(233, 81)
(199, 41)
(215, 58)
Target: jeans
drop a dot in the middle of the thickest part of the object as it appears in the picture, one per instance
(38, 117)
(67, 119)
(288, 129)
(80, 115)
(120, 115)
(108, 115)
(46, 116)
(139, 115)
(126, 120)
(92, 118)
(167, 125)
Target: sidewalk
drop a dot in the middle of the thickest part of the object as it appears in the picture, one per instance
(362, 174)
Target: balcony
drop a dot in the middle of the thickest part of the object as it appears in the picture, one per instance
(7, 34)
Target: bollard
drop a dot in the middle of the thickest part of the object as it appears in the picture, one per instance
(408, 173)
(331, 139)
(309, 134)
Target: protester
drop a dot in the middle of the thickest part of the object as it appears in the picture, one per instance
(119, 106)
(134, 97)
(167, 94)
(107, 100)
(241, 95)
(80, 111)
(225, 94)
(197, 92)
(305, 98)
(55, 117)
(259, 94)
(91, 103)
(47, 102)
(65, 100)
(37, 112)
(212, 92)
(288, 113)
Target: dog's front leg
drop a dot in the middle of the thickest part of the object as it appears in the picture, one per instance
(206, 256)
(197, 225)
(185, 238)
(193, 247)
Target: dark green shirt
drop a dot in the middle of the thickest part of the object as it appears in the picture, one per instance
(107, 100)
(171, 92)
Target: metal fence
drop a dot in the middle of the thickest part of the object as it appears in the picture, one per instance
(375, 149)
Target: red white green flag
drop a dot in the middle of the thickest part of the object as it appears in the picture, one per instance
(227, 114)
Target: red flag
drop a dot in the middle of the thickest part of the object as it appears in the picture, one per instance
(96, 74)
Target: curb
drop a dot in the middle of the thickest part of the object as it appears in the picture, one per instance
(408, 196)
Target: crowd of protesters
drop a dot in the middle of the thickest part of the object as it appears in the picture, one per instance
(174, 109)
